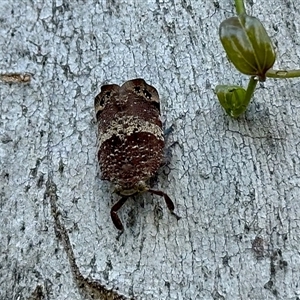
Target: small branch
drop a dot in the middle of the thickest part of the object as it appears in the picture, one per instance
(283, 73)
(15, 77)
(240, 7)
(250, 89)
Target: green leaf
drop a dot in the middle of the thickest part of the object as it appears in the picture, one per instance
(247, 45)
(232, 98)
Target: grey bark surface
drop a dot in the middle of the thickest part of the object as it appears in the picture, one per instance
(235, 183)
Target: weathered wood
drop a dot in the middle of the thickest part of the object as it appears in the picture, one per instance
(235, 182)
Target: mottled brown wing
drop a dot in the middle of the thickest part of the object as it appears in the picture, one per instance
(108, 95)
(130, 133)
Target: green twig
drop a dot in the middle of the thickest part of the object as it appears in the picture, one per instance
(240, 7)
(250, 89)
(283, 73)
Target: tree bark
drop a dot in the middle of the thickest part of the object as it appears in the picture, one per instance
(235, 183)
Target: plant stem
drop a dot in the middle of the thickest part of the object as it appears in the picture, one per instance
(283, 73)
(240, 7)
(250, 89)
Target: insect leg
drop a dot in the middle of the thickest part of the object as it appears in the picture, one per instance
(113, 213)
(168, 201)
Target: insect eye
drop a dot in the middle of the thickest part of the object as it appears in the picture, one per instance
(100, 103)
(101, 100)
(137, 89)
(147, 94)
(151, 98)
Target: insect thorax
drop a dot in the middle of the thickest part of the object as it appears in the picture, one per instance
(139, 187)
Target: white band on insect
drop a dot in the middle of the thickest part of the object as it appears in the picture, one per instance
(126, 126)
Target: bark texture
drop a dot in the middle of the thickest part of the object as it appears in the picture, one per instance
(235, 182)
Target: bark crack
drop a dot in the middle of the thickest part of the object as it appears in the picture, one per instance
(93, 288)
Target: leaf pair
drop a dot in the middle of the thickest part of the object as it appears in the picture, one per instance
(250, 49)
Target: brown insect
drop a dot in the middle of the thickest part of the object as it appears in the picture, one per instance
(130, 140)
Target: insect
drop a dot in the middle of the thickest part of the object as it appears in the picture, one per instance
(130, 140)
